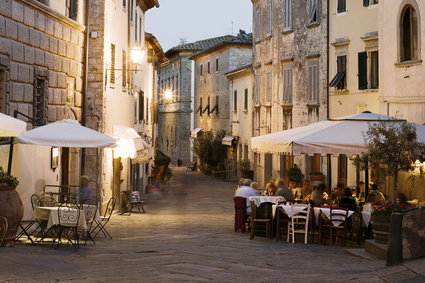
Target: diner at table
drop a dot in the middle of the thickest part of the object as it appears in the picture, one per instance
(283, 190)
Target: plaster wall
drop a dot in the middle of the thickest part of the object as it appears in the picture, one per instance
(402, 85)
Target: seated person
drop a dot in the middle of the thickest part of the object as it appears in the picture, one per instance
(347, 201)
(282, 190)
(271, 189)
(246, 191)
(375, 196)
(305, 191)
(337, 193)
(317, 198)
(293, 187)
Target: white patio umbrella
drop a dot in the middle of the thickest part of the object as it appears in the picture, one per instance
(67, 133)
(334, 136)
(11, 127)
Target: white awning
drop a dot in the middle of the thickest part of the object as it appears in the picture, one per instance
(129, 142)
(66, 133)
(195, 132)
(11, 127)
(227, 140)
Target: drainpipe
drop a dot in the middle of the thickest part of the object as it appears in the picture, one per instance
(85, 80)
(327, 59)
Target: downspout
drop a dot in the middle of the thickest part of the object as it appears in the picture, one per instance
(85, 81)
(327, 59)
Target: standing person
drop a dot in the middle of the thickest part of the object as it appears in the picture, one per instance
(282, 190)
(246, 191)
(375, 196)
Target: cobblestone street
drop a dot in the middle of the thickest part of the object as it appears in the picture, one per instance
(187, 235)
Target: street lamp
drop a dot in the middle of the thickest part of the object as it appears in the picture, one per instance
(168, 94)
(137, 54)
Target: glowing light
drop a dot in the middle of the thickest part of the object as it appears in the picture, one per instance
(168, 94)
(125, 149)
(137, 55)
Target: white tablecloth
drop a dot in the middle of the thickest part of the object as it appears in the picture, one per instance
(287, 209)
(258, 200)
(327, 212)
(51, 215)
(366, 215)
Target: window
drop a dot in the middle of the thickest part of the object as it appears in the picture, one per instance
(200, 69)
(131, 9)
(287, 22)
(369, 2)
(269, 19)
(200, 107)
(140, 29)
(112, 78)
(177, 88)
(257, 88)
(368, 72)
(312, 9)
(124, 69)
(287, 85)
(269, 87)
(135, 27)
(216, 64)
(245, 104)
(409, 34)
(342, 6)
(257, 25)
(287, 118)
(235, 101)
(340, 81)
(209, 67)
(313, 83)
(147, 110)
(72, 9)
(40, 101)
(124, 3)
(141, 106)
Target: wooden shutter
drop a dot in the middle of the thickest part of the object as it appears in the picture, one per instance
(124, 69)
(235, 100)
(341, 6)
(112, 78)
(269, 87)
(246, 100)
(362, 70)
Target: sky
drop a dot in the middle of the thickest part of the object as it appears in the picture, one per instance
(194, 20)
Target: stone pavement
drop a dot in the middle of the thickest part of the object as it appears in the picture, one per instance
(187, 236)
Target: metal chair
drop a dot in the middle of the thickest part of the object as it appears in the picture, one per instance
(90, 209)
(67, 228)
(299, 221)
(3, 228)
(104, 219)
(40, 225)
(133, 200)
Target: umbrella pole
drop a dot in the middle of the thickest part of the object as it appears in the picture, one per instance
(9, 164)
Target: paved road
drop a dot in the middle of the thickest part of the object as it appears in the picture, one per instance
(187, 236)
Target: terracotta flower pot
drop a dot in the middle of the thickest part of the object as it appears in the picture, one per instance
(11, 208)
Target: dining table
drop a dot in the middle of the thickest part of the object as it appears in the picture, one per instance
(51, 215)
(326, 211)
(258, 200)
(287, 210)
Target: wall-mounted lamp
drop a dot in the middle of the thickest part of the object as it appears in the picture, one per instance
(137, 55)
(168, 94)
(54, 158)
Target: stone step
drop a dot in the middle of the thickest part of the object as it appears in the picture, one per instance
(381, 250)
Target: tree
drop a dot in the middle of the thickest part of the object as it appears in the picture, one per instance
(392, 146)
(210, 150)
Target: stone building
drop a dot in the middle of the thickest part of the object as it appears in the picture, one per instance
(212, 99)
(240, 93)
(175, 111)
(121, 94)
(41, 76)
(290, 75)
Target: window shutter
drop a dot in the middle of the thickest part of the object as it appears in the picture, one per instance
(362, 70)
(73, 9)
(112, 77)
(341, 6)
(269, 87)
(365, 3)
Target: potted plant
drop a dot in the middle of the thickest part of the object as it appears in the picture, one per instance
(295, 174)
(245, 169)
(10, 205)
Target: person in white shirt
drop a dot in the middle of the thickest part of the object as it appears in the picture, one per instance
(246, 191)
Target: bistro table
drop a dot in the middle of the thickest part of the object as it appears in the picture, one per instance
(284, 208)
(326, 211)
(51, 215)
(258, 200)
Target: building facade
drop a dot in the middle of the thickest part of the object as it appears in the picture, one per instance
(176, 100)
(240, 94)
(42, 77)
(212, 99)
(353, 57)
(121, 68)
(290, 41)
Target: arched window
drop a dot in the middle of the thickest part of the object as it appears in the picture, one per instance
(409, 34)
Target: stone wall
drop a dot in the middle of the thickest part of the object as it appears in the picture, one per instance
(413, 233)
(38, 42)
